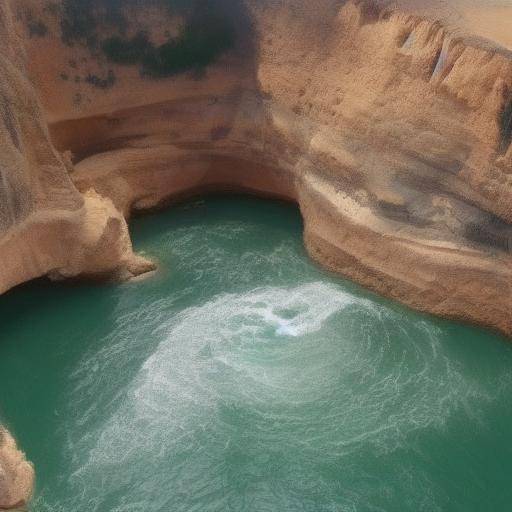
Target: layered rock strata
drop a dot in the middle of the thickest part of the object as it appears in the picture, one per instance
(46, 226)
(391, 133)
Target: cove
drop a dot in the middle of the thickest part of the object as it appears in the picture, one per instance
(242, 377)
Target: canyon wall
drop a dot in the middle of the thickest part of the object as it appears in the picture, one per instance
(406, 183)
(46, 226)
(392, 131)
(16, 474)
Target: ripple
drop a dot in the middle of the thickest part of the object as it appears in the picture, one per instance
(310, 372)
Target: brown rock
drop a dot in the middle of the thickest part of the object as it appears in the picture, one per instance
(389, 128)
(16, 474)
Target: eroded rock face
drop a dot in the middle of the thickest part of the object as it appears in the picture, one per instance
(45, 222)
(47, 227)
(390, 129)
(391, 132)
(16, 474)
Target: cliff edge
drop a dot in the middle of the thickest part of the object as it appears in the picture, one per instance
(390, 129)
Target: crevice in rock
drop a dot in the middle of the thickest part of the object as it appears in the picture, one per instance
(506, 126)
(493, 234)
(442, 59)
(10, 122)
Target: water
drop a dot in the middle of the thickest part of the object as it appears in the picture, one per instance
(244, 378)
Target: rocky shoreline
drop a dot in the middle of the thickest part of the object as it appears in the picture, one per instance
(16, 474)
(390, 131)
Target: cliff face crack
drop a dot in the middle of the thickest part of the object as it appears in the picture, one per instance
(9, 122)
(506, 127)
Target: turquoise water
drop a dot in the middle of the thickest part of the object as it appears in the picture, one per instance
(244, 378)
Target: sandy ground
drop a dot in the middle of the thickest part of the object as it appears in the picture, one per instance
(493, 23)
(488, 19)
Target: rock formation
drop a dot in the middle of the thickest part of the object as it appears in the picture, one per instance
(392, 130)
(16, 474)
(392, 133)
(46, 225)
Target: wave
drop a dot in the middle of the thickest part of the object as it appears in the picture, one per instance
(310, 374)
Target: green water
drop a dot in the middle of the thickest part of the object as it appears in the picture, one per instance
(244, 378)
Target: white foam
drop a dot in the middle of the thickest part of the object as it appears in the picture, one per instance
(270, 353)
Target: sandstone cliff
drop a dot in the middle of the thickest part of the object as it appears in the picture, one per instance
(391, 132)
(46, 225)
(16, 474)
(390, 129)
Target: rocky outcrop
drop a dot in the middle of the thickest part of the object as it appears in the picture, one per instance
(16, 474)
(404, 150)
(391, 131)
(46, 226)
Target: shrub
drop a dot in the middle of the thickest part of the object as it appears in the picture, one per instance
(208, 32)
(101, 83)
(127, 51)
(37, 28)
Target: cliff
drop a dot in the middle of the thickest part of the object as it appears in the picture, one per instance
(46, 225)
(16, 474)
(391, 129)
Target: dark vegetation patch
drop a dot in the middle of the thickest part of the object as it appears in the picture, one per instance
(101, 82)
(79, 24)
(208, 32)
(128, 51)
(492, 232)
(36, 28)
(506, 127)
